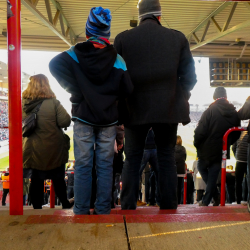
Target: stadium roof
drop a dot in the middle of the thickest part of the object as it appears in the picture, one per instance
(212, 27)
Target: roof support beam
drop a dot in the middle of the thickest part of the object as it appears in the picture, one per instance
(34, 2)
(248, 6)
(229, 17)
(48, 8)
(222, 34)
(56, 17)
(205, 31)
(196, 38)
(216, 24)
(212, 14)
(62, 24)
(42, 18)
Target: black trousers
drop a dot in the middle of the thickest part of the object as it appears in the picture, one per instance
(37, 192)
(165, 139)
(5, 192)
(180, 190)
(200, 193)
(240, 171)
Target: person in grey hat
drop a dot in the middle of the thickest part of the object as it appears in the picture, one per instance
(162, 70)
(208, 140)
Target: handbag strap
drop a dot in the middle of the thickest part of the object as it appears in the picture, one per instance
(38, 107)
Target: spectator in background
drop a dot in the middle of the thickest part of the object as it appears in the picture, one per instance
(240, 151)
(70, 182)
(244, 114)
(162, 70)
(150, 156)
(199, 184)
(45, 151)
(180, 158)
(215, 121)
(26, 185)
(6, 186)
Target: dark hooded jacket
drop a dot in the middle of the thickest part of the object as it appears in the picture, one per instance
(162, 71)
(240, 147)
(244, 114)
(46, 148)
(180, 158)
(96, 80)
(214, 122)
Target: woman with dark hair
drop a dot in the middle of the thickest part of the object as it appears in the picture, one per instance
(45, 151)
(180, 158)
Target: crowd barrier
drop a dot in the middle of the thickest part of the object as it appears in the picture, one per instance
(224, 163)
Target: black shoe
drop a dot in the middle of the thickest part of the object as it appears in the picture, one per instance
(70, 204)
(216, 202)
(201, 204)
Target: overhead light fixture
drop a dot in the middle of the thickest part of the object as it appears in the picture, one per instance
(1, 81)
(5, 77)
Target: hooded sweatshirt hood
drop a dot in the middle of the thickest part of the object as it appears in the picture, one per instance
(29, 105)
(225, 108)
(96, 64)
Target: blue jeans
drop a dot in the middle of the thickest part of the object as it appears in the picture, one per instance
(85, 139)
(165, 139)
(209, 172)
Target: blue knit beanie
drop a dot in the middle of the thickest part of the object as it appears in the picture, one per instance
(98, 23)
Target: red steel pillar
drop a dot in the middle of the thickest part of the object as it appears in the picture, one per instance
(52, 195)
(15, 107)
(224, 164)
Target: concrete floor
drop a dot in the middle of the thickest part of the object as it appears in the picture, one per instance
(147, 228)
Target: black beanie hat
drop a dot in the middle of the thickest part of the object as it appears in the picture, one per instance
(220, 92)
(149, 7)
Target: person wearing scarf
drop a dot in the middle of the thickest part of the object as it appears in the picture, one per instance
(98, 81)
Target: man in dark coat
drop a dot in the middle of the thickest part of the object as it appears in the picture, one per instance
(208, 140)
(244, 114)
(162, 70)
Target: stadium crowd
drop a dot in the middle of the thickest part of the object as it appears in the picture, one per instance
(137, 90)
(4, 122)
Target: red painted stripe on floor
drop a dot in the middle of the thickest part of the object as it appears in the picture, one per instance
(186, 218)
(182, 210)
(51, 219)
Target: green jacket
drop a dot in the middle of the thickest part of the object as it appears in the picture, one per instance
(46, 148)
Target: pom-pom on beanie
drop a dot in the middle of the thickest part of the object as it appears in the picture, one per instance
(98, 23)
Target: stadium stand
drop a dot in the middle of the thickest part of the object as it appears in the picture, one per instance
(4, 122)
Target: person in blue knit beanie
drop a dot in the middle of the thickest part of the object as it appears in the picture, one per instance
(98, 23)
(98, 81)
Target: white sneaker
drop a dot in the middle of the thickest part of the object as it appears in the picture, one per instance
(234, 203)
(243, 203)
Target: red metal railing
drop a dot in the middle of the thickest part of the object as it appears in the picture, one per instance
(224, 163)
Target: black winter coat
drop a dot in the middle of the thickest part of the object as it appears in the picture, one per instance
(96, 80)
(214, 122)
(162, 71)
(240, 147)
(244, 114)
(180, 158)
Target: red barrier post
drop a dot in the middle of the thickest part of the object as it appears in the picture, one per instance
(15, 106)
(185, 189)
(52, 195)
(224, 164)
